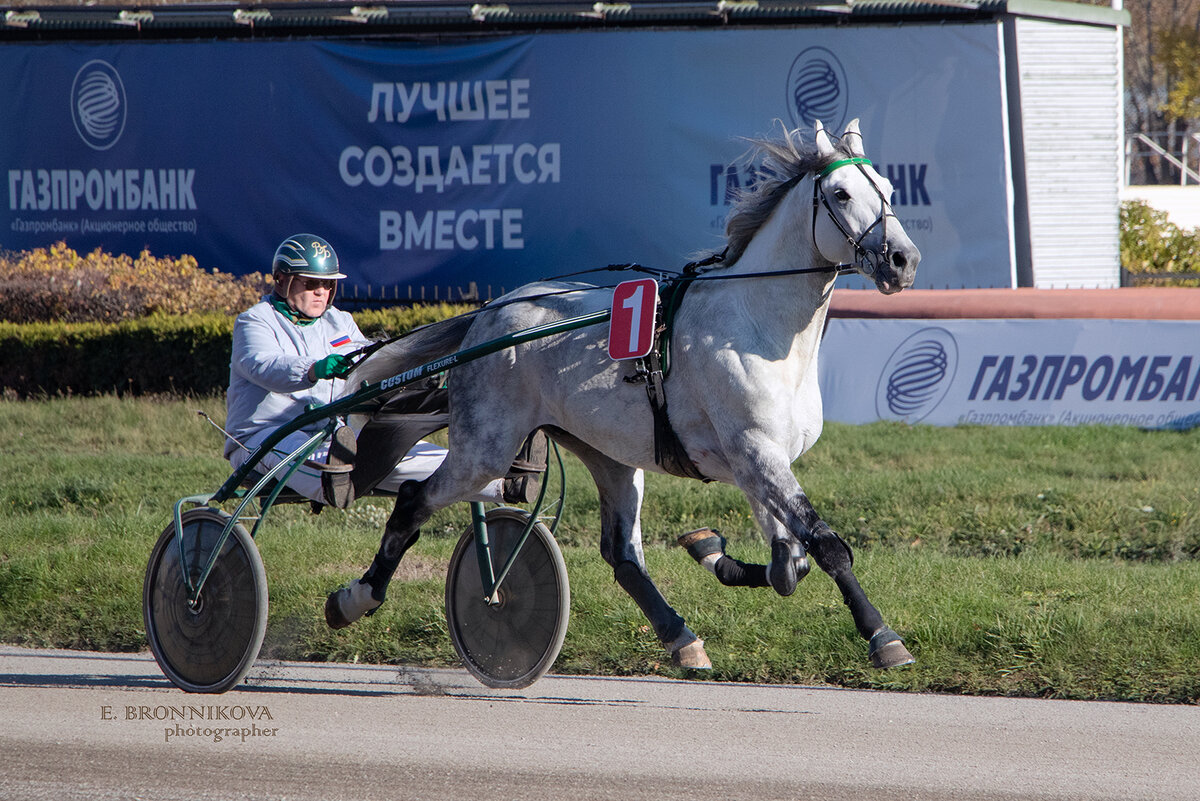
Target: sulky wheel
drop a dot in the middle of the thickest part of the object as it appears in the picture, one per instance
(209, 647)
(512, 643)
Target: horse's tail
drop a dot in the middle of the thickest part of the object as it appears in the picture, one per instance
(412, 350)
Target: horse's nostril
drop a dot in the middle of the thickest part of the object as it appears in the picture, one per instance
(899, 260)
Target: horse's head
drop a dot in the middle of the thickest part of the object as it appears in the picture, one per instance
(853, 221)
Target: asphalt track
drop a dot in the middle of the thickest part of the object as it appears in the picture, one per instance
(76, 725)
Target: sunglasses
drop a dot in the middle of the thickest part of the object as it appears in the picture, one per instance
(313, 284)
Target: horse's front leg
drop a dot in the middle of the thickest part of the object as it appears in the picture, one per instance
(772, 485)
(833, 555)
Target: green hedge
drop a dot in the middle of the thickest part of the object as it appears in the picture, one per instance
(1151, 243)
(181, 355)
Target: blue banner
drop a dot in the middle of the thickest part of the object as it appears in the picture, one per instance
(497, 160)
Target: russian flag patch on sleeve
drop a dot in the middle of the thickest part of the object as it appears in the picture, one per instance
(342, 340)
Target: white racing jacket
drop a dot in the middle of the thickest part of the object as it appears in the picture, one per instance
(268, 384)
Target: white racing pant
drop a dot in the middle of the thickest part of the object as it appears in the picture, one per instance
(417, 465)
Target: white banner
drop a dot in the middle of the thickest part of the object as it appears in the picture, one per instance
(1013, 372)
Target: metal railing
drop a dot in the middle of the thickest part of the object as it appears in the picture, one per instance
(1164, 158)
(1159, 279)
(363, 296)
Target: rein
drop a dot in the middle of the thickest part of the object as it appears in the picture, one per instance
(692, 271)
(653, 369)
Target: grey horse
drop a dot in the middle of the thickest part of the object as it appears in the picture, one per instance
(742, 387)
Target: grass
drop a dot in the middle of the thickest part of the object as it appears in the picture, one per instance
(1057, 562)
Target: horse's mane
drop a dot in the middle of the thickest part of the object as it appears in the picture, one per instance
(784, 161)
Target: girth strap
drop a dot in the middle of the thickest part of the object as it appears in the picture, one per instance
(669, 453)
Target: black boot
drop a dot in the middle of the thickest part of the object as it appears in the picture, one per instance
(335, 481)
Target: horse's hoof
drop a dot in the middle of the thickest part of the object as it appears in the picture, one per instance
(705, 546)
(348, 604)
(784, 572)
(691, 656)
(887, 650)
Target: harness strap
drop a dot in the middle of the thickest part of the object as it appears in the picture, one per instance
(671, 297)
(669, 453)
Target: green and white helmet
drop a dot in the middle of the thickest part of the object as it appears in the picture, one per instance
(307, 256)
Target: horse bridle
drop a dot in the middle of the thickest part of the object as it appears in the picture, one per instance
(864, 260)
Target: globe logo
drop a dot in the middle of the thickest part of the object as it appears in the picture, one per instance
(917, 376)
(817, 89)
(98, 104)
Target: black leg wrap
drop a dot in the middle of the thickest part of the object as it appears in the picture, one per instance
(787, 566)
(667, 623)
(823, 537)
(835, 558)
(383, 567)
(734, 573)
(882, 637)
(399, 534)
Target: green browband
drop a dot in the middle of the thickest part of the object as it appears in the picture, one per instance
(842, 163)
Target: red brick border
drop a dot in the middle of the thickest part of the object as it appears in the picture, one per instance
(1144, 303)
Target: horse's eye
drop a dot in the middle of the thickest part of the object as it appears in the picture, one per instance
(841, 195)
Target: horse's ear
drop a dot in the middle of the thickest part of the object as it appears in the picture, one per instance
(824, 146)
(853, 139)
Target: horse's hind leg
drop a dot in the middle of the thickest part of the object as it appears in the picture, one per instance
(621, 547)
(621, 490)
(708, 548)
(457, 478)
(363, 596)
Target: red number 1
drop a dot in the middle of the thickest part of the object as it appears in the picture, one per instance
(634, 304)
(631, 326)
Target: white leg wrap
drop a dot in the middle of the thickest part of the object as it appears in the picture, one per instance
(356, 601)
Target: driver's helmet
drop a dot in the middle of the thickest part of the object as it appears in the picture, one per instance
(307, 256)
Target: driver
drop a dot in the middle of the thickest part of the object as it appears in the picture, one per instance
(292, 350)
